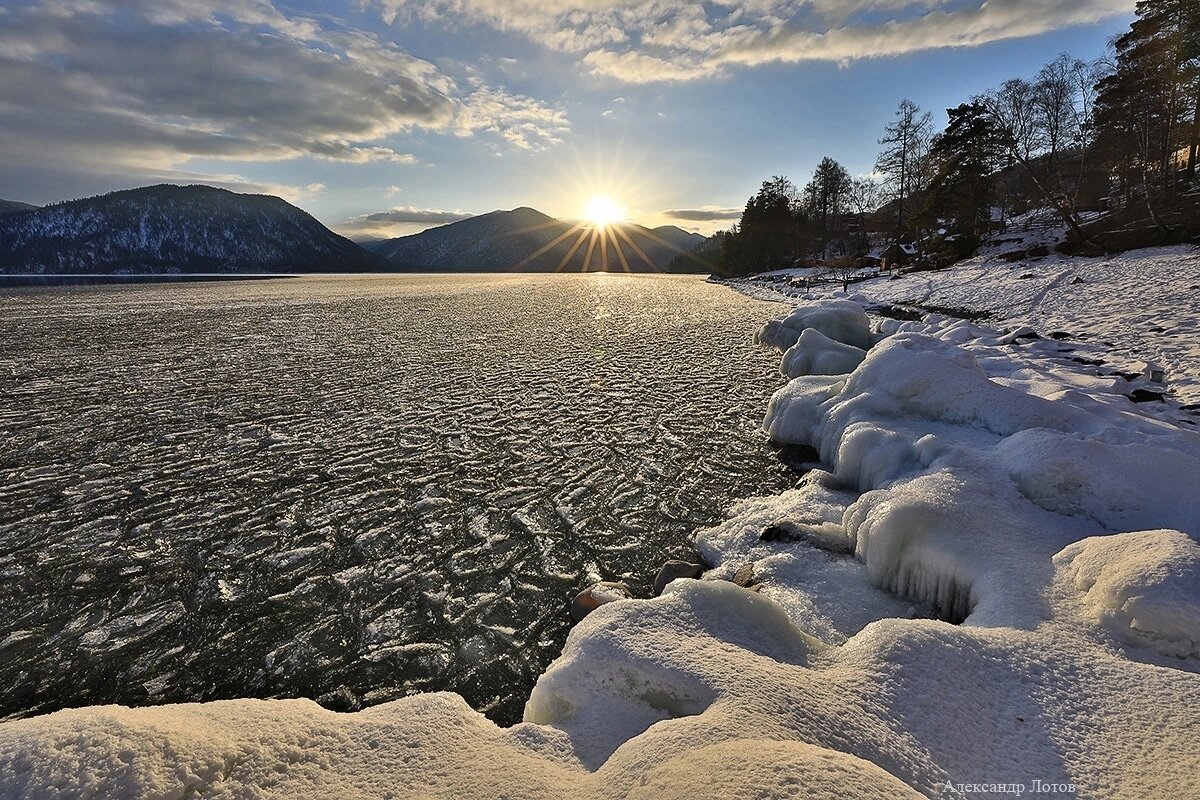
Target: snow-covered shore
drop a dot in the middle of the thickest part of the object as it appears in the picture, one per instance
(990, 583)
(1125, 309)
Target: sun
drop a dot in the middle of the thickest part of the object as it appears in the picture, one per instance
(603, 211)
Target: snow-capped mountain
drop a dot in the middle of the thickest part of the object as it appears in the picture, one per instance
(528, 240)
(170, 228)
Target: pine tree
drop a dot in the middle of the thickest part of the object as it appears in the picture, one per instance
(964, 156)
(768, 234)
(1147, 109)
(827, 196)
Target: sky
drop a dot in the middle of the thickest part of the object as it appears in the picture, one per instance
(385, 117)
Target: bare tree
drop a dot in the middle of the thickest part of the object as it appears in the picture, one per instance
(903, 160)
(1023, 135)
(1064, 98)
(866, 196)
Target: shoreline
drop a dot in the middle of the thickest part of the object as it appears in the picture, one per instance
(1023, 501)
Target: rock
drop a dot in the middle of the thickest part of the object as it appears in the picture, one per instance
(1145, 396)
(1077, 281)
(1039, 251)
(597, 595)
(1060, 335)
(340, 699)
(673, 570)
(744, 576)
(781, 533)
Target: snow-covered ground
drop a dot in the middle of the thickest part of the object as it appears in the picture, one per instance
(1135, 307)
(990, 584)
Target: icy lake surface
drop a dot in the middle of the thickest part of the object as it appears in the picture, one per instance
(388, 484)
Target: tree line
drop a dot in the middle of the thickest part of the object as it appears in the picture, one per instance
(1119, 134)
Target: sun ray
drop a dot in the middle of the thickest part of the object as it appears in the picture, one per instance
(612, 231)
(587, 260)
(603, 250)
(620, 231)
(583, 232)
(551, 244)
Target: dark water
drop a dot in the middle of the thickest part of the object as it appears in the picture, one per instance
(388, 484)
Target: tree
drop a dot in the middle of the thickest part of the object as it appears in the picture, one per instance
(827, 198)
(865, 197)
(1148, 106)
(1020, 129)
(1064, 101)
(964, 157)
(902, 162)
(770, 231)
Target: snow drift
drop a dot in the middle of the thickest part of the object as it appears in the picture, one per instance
(991, 580)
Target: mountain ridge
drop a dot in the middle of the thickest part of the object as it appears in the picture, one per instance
(175, 229)
(15, 206)
(525, 239)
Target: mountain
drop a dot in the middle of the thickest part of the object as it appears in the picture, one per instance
(13, 206)
(170, 228)
(528, 240)
(683, 240)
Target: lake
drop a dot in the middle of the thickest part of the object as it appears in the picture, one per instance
(353, 488)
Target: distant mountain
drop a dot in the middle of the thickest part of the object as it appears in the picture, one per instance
(170, 228)
(13, 206)
(525, 239)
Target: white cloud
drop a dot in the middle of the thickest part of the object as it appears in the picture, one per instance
(523, 122)
(703, 214)
(645, 41)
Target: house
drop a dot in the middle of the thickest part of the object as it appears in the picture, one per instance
(900, 254)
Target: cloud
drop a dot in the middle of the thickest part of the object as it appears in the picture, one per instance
(650, 41)
(523, 122)
(706, 214)
(143, 86)
(398, 221)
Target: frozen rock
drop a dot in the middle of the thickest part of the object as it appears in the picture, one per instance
(674, 570)
(597, 595)
(840, 320)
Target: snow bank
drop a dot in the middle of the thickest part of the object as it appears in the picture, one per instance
(814, 353)
(1144, 584)
(839, 320)
(1122, 311)
(967, 478)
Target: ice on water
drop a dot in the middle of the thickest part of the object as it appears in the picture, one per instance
(278, 489)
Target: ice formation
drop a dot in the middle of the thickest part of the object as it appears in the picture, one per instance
(992, 580)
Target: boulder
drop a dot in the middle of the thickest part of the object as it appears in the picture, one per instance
(597, 595)
(673, 570)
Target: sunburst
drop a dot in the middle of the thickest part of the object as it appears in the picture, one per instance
(604, 232)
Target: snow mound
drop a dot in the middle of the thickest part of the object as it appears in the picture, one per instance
(614, 680)
(768, 768)
(1145, 585)
(840, 320)
(793, 411)
(969, 463)
(1137, 485)
(814, 353)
